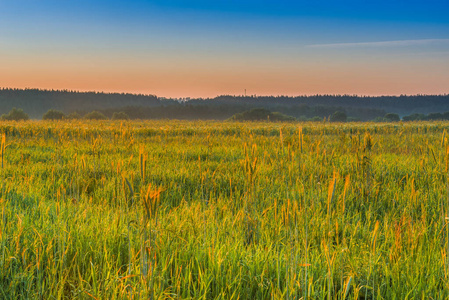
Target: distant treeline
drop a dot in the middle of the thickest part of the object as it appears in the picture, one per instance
(255, 114)
(37, 102)
(190, 111)
(428, 117)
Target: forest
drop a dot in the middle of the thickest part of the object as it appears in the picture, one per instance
(36, 103)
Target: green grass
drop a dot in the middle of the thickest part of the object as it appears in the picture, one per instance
(358, 213)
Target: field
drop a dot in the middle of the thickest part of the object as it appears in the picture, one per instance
(222, 210)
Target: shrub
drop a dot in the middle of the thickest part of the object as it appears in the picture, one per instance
(414, 117)
(434, 116)
(316, 119)
(73, 116)
(95, 115)
(53, 115)
(16, 114)
(338, 116)
(261, 114)
(120, 116)
(277, 116)
(380, 119)
(392, 117)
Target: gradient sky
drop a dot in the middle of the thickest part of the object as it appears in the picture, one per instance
(174, 48)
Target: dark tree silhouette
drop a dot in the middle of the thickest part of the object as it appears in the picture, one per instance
(38, 102)
(16, 114)
(338, 116)
(53, 115)
(392, 117)
(261, 114)
(95, 115)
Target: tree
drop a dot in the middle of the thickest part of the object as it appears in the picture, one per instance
(414, 117)
(16, 114)
(95, 115)
(434, 116)
(53, 115)
(338, 116)
(73, 116)
(392, 117)
(316, 119)
(261, 114)
(120, 116)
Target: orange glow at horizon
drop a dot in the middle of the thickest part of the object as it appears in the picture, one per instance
(179, 78)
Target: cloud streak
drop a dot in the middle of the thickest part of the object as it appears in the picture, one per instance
(384, 44)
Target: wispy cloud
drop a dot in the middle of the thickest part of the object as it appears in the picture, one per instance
(400, 43)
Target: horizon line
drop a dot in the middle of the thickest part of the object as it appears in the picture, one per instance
(245, 96)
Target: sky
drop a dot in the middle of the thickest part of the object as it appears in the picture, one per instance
(173, 48)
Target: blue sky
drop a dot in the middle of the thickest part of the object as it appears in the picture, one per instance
(207, 48)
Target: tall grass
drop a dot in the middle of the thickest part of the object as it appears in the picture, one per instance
(208, 210)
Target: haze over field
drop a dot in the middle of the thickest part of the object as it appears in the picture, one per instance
(207, 48)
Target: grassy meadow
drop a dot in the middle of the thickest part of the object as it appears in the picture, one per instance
(223, 210)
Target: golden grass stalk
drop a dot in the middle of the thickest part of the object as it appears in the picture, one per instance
(331, 192)
(443, 138)
(374, 239)
(375, 233)
(143, 163)
(348, 287)
(3, 146)
(447, 158)
(345, 189)
(151, 200)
